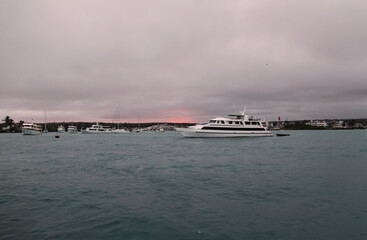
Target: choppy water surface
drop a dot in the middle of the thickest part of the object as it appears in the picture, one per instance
(310, 185)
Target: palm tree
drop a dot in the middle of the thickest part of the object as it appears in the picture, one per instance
(8, 121)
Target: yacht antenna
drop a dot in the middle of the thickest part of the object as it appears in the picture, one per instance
(234, 107)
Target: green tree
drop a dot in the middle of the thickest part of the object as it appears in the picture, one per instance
(352, 122)
(8, 121)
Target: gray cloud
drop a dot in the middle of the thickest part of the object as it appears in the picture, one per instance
(166, 60)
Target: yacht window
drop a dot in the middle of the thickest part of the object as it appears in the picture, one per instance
(230, 122)
(237, 122)
(212, 121)
(247, 123)
(253, 123)
(222, 122)
(241, 123)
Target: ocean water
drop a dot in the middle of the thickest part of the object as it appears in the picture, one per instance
(309, 185)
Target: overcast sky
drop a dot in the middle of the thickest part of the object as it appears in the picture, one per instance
(187, 60)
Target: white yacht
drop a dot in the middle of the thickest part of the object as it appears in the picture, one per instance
(97, 129)
(72, 129)
(31, 129)
(240, 125)
(60, 129)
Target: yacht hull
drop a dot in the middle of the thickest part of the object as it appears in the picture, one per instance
(30, 132)
(195, 133)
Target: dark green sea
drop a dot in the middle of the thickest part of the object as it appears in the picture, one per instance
(309, 185)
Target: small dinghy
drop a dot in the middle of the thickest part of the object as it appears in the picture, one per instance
(282, 134)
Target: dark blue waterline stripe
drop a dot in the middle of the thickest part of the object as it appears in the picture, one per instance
(232, 133)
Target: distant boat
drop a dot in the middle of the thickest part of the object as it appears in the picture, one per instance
(97, 129)
(240, 125)
(60, 129)
(72, 129)
(31, 129)
(118, 130)
(282, 134)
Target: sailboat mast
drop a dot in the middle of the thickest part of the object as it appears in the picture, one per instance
(45, 123)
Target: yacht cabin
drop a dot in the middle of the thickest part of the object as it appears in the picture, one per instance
(237, 120)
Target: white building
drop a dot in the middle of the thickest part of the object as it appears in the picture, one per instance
(317, 123)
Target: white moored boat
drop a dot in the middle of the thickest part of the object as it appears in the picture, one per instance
(97, 129)
(119, 130)
(233, 126)
(72, 129)
(60, 129)
(31, 129)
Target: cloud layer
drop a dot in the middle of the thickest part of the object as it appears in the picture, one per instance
(182, 60)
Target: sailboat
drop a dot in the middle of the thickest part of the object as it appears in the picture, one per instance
(138, 129)
(117, 115)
